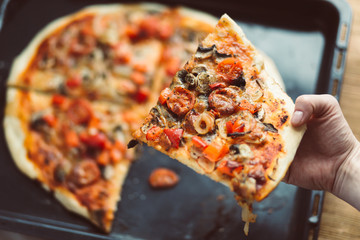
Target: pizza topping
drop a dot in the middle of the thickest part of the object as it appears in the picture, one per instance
(244, 187)
(138, 78)
(221, 55)
(174, 136)
(200, 68)
(244, 152)
(270, 128)
(142, 95)
(61, 171)
(163, 178)
(103, 158)
(190, 79)
(224, 100)
(235, 126)
(164, 142)
(82, 45)
(230, 69)
(71, 138)
(246, 105)
(204, 123)
(189, 120)
(207, 165)
(164, 95)
(50, 119)
(203, 80)
(79, 111)
(257, 95)
(215, 150)
(217, 85)
(239, 82)
(260, 115)
(199, 142)
(58, 100)
(154, 133)
(260, 83)
(164, 118)
(37, 122)
(204, 52)
(84, 173)
(181, 74)
(259, 176)
(181, 101)
(108, 172)
(229, 167)
(95, 140)
(201, 104)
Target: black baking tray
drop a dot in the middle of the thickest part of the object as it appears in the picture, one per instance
(306, 39)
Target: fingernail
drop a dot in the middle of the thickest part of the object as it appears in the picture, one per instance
(297, 117)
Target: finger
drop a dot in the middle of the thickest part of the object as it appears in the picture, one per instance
(307, 106)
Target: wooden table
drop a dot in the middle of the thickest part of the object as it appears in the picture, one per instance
(339, 219)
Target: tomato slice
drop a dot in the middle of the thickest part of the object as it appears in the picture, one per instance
(58, 100)
(98, 140)
(79, 111)
(181, 101)
(142, 95)
(174, 136)
(164, 95)
(229, 69)
(73, 82)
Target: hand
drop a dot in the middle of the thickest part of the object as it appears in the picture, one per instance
(327, 149)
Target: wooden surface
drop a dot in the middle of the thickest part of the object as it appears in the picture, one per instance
(339, 220)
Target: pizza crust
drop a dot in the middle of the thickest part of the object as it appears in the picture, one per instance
(15, 137)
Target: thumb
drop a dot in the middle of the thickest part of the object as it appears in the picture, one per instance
(308, 106)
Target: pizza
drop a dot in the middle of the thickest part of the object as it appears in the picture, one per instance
(226, 117)
(80, 88)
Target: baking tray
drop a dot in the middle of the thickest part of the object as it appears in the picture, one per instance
(308, 42)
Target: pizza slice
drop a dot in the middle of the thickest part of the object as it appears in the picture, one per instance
(224, 116)
(74, 148)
